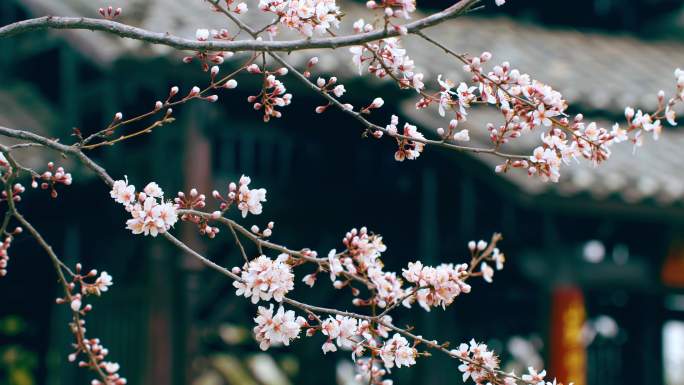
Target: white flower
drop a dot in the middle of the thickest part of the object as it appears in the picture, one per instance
(103, 282)
(397, 351)
(278, 329)
(377, 103)
(309, 280)
(465, 96)
(499, 258)
(670, 116)
(334, 265)
(417, 81)
(543, 116)
(462, 135)
(76, 304)
(328, 346)
(487, 272)
(264, 278)
(249, 200)
(122, 192)
(500, 2)
(358, 25)
(110, 367)
(152, 218)
(436, 286)
(153, 190)
(533, 377)
(339, 90)
(241, 8)
(405, 356)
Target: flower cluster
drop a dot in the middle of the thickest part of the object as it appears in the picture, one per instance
(386, 58)
(340, 331)
(17, 190)
(263, 278)
(410, 143)
(247, 200)
(528, 104)
(397, 351)
(273, 93)
(437, 286)
(374, 351)
(94, 354)
(477, 362)
(51, 177)
(305, 16)
(278, 329)
(151, 215)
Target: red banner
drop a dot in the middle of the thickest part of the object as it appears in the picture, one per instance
(568, 354)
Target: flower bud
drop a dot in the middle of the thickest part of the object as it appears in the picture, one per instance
(232, 83)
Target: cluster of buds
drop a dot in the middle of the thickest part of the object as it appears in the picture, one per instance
(452, 133)
(196, 201)
(309, 65)
(51, 178)
(394, 8)
(194, 93)
(221, 83)
(331, 86)
(272, 93)
(90, 284)
(109, 13)
(4, 256)
(94, 354)
(209, 58)
(267, 232)
(17, 189)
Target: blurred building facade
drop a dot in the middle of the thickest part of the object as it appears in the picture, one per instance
(594, 288)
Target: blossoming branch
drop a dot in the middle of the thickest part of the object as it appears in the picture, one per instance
(527, 106)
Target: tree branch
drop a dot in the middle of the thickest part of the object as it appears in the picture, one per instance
(165, 38)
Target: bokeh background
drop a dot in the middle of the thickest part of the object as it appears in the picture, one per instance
(594, 284)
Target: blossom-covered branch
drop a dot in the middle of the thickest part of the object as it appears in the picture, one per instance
(433, 286)
(91, 348)
(266, 271)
